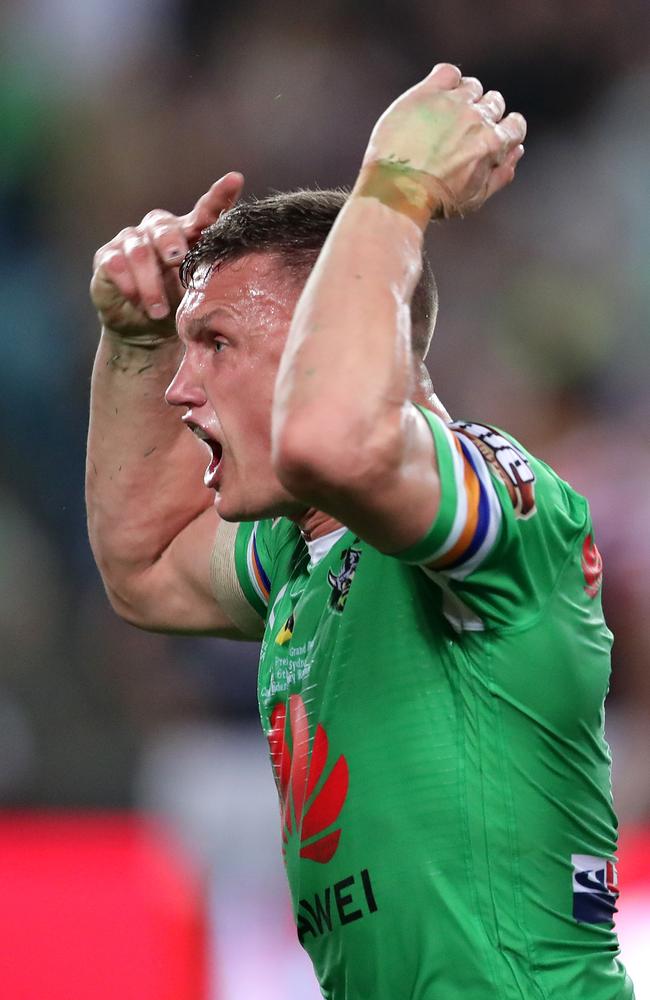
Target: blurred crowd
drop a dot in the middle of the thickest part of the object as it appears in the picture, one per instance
(111, 108)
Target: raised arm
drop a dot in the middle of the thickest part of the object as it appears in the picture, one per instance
(347, 438)
(151, 522)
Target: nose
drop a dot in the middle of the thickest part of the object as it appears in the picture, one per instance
(185, 389)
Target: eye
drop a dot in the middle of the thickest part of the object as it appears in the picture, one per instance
(218, 346)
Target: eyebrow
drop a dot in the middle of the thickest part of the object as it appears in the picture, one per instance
(198, 326)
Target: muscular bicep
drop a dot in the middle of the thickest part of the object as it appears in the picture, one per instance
(192, 587)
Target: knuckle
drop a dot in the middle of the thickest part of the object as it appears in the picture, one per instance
(516, 123)
(473, 83)
(111, 247)
(137, 250)
(166, 237)
(449, 69)
(153, 217)
(114, 261)
(98, 259)
(123, 235)
(160, 230)
(494, 104)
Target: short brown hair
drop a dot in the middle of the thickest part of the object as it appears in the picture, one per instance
(294, 225)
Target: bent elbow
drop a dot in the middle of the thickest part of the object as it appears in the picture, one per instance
(128, 593)
(314, 463)
(128, 607)
(294, 460)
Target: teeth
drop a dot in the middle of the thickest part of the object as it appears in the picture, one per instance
(200, 433)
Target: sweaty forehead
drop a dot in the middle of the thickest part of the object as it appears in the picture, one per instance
(256, 290)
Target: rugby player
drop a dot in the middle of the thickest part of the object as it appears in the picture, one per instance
(434, 658)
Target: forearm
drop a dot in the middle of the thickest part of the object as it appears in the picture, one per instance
(144, 470)
(441, 149)
(347, 366)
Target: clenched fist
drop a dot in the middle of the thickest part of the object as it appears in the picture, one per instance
(135, 285)
(454, 135)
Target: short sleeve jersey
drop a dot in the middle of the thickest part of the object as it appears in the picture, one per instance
(435, 725)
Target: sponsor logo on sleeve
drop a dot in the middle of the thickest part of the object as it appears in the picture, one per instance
(595, 889)
(592, 567)
(508, 461)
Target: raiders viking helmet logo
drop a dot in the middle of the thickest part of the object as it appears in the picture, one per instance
(341, 582)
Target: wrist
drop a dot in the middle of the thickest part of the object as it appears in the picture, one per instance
(146, 341)
(414, 193)
(154, 355)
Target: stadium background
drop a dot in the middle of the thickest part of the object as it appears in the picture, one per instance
(109, 109)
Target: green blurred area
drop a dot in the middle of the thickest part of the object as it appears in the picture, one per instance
(111, 110)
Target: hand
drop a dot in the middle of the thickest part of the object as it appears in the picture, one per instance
(448, 129)
(135, 286)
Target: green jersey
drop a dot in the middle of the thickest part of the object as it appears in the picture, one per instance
(435, 724)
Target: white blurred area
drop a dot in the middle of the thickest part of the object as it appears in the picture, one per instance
(634, 934)
(214, 790)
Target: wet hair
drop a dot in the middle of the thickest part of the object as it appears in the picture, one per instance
(293, 226)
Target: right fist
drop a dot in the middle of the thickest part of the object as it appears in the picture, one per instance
(135, 286)
(446, 128)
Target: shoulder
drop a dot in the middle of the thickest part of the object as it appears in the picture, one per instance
(530, 483)
(264, 548)
(506, 526)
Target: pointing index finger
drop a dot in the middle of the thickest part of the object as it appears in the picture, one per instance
(221, 196)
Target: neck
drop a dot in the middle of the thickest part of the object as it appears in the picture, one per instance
(433, 403)
(315, 523)
(424, 393)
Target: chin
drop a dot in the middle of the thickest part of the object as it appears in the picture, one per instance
(256, 508)
(230, 512)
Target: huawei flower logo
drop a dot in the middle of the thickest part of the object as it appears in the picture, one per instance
(310, 802)
(592, 566)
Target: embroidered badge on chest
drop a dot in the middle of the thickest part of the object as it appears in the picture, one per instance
(286, 631)
(342, 581)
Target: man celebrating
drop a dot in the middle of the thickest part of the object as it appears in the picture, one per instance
(434, 659)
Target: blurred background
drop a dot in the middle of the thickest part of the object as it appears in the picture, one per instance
(113, 107)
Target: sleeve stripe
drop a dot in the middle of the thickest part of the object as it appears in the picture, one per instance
(493, 516)
(469, 509)
(256, 572)
(477, 518)
(459, 498)
(469, 517)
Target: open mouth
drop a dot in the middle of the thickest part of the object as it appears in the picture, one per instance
(213, 467)
(216, 448)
